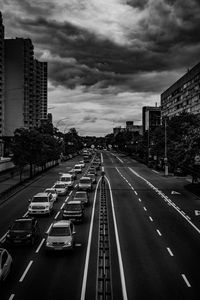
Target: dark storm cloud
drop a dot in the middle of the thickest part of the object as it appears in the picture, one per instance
(166, 40)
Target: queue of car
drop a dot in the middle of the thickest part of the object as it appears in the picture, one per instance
(61, 236)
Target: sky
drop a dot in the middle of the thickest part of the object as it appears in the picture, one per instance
(106, 58)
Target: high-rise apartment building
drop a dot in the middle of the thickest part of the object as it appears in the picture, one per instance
(25, 83)
(1, 76)
(183, 95)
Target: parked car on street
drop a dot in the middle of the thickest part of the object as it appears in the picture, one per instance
(5, 263)
(23, 231)
(61, 236)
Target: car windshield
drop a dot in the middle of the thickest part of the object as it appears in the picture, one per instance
(66, 179)
(40, 199)
(59, 231)
(85, 180)
(80, 195)
(73, 207)
(50, 191)
(59, 186)
(21, 225)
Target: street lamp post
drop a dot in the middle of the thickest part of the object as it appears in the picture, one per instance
(165, 158)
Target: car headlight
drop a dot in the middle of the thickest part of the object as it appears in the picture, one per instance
(8, 235)
(48, 243)
(28, 235)
(68, 243)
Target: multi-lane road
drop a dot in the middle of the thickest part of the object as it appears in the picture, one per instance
(145, 222)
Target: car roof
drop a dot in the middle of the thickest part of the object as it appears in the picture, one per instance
(80, 192)
(23, 219)
(66, 175)
(59, 183)
(74, 202)
(62, 223)
(41, 194)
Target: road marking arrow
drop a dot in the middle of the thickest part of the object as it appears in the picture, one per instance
(197, 212)
(175, 193)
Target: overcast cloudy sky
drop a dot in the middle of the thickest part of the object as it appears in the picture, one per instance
(107, 58)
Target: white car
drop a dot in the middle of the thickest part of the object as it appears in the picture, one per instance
(41, 204)
(53, 192)
(5, 263)
(67, 179)
(61, 236)
(81, 162)
(61, 188)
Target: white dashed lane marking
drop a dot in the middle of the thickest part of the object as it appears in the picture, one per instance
(26, 271)
(186, 280)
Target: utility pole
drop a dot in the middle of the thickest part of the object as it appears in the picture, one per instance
(165, 158)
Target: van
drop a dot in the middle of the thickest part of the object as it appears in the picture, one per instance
(68, 180)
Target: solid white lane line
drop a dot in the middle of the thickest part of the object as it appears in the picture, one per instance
(26, 271)
(119, 159)
(186, 281)
(25, 214)
(170, 252)
(40, 245)
(159, 232)
(151, 219)
(101, 157)
(145, 208)
(62, 205)
(123, 282)
(169, 201)
(11, 297)
(83, 290)
(57, 215)
(3, 237)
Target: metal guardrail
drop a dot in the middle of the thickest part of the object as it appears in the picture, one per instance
(104, 283)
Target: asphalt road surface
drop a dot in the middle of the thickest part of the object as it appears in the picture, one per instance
(150, 236)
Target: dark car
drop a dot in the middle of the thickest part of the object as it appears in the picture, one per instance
(92, 170)
(23, 230)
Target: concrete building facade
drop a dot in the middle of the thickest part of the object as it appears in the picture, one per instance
(2, 79)
(183, 95)
(24, 86)
(151, 118)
